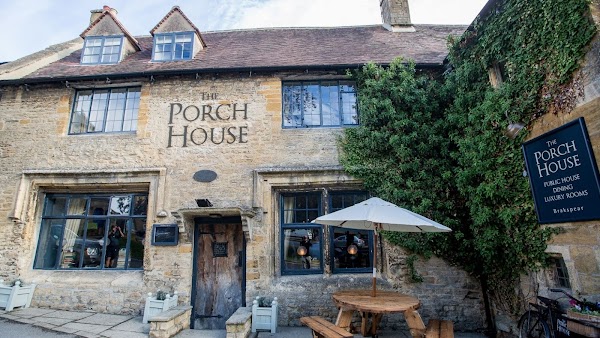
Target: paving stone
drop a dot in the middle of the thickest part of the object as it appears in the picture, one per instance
(92, 328)
(69, 315)
(24, 320)
(87, 334)
(44, 325)
(104, 319)
(112, 333)
(31, 312)
(9, 316)
(64, 329)
(53, 321)
(133, 325)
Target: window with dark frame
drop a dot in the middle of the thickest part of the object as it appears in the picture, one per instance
(351, 249)
(105, 110)
(302, 246)
(101, 50)
(561, 274)
(319, 104)
(173, 46)
(92, 231)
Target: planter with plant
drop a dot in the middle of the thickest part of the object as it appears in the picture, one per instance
(264, 314)
(15, 295)
(162, 301)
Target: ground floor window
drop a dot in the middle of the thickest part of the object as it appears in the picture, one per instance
(303, 250)
(92, 231)
(560, 272)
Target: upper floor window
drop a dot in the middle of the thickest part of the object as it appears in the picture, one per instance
(92, 231)
(173, 46)
(319, 104)
(303, 244)
(101, 49)
(105, 110)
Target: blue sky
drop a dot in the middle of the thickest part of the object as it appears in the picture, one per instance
(32, 25)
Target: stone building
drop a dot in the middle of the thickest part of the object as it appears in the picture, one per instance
(194, 162)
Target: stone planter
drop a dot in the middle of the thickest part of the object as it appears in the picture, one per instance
(155, 306)
(15, 296)
(263, 317)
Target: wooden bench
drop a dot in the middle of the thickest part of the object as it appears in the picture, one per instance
(435, 328)
(324, 329)
(439, 329)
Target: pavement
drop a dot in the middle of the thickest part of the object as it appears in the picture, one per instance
(48, 323)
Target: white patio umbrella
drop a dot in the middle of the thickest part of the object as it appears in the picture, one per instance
(377, 215)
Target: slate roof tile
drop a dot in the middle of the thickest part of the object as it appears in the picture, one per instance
(276, 48)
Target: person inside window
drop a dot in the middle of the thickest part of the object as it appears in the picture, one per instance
(113, 246)
(305, 242)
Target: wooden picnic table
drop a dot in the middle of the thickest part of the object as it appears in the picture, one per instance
(350, 301)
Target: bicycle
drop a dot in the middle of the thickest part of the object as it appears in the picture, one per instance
(549, 320)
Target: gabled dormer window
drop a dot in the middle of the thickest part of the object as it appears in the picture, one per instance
(101, 49)
(173, 46)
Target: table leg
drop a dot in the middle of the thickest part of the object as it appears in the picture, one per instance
(344, 319)
(415, 323)
(375, 323)
(363, 323)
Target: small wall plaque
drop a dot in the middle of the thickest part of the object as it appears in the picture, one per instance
(164, 234)
(205, 176)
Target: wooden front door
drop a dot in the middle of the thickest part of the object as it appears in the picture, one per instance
(219, 267)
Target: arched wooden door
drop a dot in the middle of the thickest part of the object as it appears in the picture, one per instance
(219, 271)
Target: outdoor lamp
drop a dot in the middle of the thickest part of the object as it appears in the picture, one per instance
(352, 249)
(301, 251)
(513, 129)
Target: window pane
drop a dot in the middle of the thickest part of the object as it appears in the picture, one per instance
(302, 249)
(93, 244)
(116, 110)
(79, 119)
(319, 103)
(351, 249)
(136, 248)
(72, 244)
(97, 111)
(55, 206)
(81, 237)
(47, 250)
(104, 110)
(311, 100)
(116, 244)
(77, 206)
(120, 205)
(292, 112)
(330, 100)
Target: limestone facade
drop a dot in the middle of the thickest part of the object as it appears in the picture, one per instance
(229, 123)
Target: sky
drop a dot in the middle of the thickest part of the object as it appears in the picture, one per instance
(28, 26)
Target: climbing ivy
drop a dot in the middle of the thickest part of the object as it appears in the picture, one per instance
(436, 144)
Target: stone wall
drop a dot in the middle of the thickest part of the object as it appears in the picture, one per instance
(253, 163)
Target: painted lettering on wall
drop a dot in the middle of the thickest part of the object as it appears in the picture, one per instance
(208, 123)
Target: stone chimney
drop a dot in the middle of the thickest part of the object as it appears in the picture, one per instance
(396, 15)
(97, 12)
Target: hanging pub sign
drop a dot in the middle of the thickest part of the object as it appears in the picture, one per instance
(563, 174)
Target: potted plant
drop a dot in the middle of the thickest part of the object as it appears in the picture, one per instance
(15, 295)
(587, 315)
(162, 301)
(264, 314)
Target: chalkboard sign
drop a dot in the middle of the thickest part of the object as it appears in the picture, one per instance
(165, 234)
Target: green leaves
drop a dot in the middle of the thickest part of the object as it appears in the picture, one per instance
(437, 145)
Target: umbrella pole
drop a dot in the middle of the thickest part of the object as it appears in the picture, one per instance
(374, 292)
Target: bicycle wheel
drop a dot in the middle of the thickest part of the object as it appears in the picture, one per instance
(532, 325)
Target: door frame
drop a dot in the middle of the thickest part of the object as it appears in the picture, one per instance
(209, 220)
